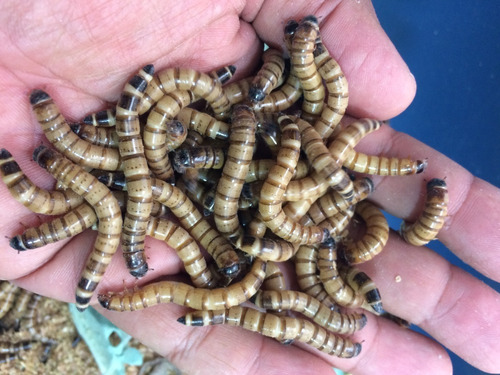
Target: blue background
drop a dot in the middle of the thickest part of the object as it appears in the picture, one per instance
(453, 49)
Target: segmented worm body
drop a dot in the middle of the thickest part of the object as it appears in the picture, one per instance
(59, 133)
(135, 168)
(8, 294)
(375, 237)
(268, 76)
(273, 190)
(104, 118)
(12, 318)
(193, 221)
(304, 67)
(163, 134)
(259, 169)
(432, 218)
(107, 211)
(281, 99)
(279, 327)
(198, 157)
(97, 135)
(187, 250)
(31, 196)
(203, 123)
(363, 285)
(239, 156)
(266, 248)
(338, 92)
(186, 295)
(312, 308)
(274, 280)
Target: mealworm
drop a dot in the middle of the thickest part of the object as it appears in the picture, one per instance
(200, 84)
(281, 99)
(312, 308)
(274, 280)
(266, 248)
(303, 66)
(237, 92)
(198, 158)
(187, 250)
(191, 219)
(97, 135)
(375, 237)
(259, 170)
(187, 79)
(186, 295)
(14, 315)
(104, 118)
(162, 134)
(135, 168)
(8, 295)
(307, 278)
(239, 156)
(106, 208)
(342, 149)
(203, 123)
(36, 199)
(273, 189)
(268, 76)
(432, 218)
(338, 91)
(332, 202)
(334, 285)
(9, 347)
(323, 162)
(279, 327)
(59, 133)
(74, 222)
(363, 285)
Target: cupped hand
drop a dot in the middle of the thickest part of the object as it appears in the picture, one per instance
(83, 52)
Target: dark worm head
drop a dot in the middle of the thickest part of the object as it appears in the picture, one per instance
(104, 300)
(38, 96)
(16, 243)
(421, 165)
(290, 27)
(4, 154)
(149, 69)
(311, 19)
(43, 155)
(436, 182)
(181, 320)
(256, 94)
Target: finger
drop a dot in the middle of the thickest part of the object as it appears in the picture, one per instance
(420, 286)
(473, 220)
(380, 84)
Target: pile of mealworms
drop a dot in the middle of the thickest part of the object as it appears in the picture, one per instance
(237, 177)
(17, 312)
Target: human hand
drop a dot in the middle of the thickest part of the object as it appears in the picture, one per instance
(85, 53)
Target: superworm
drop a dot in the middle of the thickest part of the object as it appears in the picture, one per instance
(304, 67)
(59, 133)
(323, 161)
(136, 172)
(338, 91)
(335, 286)
(274, 280)
(268, 76)
(363, 285)
(337, 223)
(332, 202)
(273, 189)
(193, 221)
(203, 123)
(375, 237)
(266, 248)
(107, 210)
(270, 134)
(281, 99)
(74, 222)
(239, 156)
(259, 169)
(41, 201)
(187, 79)
(307, 278)
(8, 295)
(237, 91)
(198, 157)
(162, 133)
(97, 135)
(104, 118)
(12, 318)
(186, 247)
(186, 295)
(432, 218)
(278, 327)
(312, 308)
